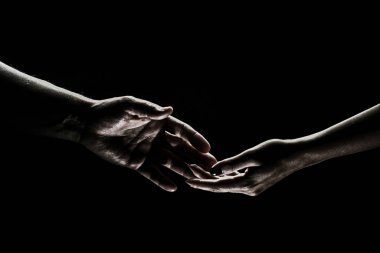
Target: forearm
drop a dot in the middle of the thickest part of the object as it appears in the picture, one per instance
(356, 134)
(40, 106)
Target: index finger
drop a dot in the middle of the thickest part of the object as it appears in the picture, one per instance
(188, 133)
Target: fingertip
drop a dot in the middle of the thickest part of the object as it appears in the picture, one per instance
(220, 168)
(208, 160)
(169, 188)
(168, 109)
(205, 148)
(173, 189)
(201, 143)
(213, 159)
(216, 171)
(216, 164)
(230, 165)
(162, 113)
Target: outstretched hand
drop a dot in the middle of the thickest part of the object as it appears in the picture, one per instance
(130, 132)
(142, 136)
(256, 169)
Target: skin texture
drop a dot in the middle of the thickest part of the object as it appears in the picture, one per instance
(126, 131)
(271, 161)
(123, 130)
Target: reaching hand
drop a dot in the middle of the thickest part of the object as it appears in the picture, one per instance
(273, 160)
(254, 170)
(123, 131)
(140, 135)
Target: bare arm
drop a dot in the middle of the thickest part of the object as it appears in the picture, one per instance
(271, 161)
(125, 131)
(356, 134)
(38, 105)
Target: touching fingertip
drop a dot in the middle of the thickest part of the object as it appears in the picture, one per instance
(204, 147)
(213, 159)
(201, 143)
(216, 171)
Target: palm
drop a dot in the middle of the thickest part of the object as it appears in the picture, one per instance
(119, 134)
(264, 165)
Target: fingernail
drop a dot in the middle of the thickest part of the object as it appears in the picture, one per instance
(174, 189)
(166, 109)
(216, 171)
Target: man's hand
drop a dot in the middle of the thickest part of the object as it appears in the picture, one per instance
(130, 132)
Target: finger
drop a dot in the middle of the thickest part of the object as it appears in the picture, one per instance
(230, 184)
(234, 164)
(188, 133)
(143, 108)
(139, 154)
(138, 148)
(171, 161)
(200, 173)
(188, 152)
(154, 174)
(149, 133)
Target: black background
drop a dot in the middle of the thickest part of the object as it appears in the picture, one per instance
(238, 84)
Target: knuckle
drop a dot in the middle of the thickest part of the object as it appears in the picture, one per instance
(129, 98)
(181, 129)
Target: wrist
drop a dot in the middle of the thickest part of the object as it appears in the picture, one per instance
(72, 124)
(309, 151)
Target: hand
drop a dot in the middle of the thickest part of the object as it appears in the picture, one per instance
(273, 160)
(122, 131)
(256, 169)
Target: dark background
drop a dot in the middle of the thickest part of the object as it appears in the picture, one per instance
(238, 85)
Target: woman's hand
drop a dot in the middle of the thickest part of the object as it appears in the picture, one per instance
(256, 169)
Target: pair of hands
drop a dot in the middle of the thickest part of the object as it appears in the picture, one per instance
(142, 136)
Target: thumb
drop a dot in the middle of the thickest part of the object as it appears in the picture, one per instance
(160, 113)
(233, 164)
(152, 112)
